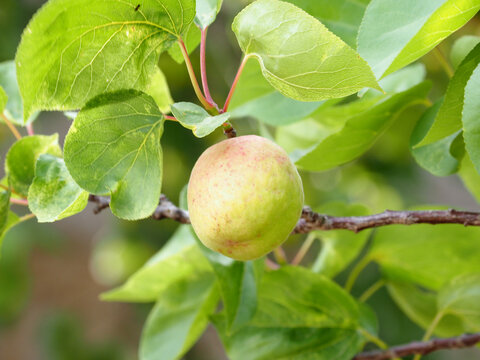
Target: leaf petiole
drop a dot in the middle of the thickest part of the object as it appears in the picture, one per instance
(235, 82)
(203, 68)
(12, 128)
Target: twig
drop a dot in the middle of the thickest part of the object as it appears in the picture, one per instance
(12, 127)
(422, 348)
(311, 221)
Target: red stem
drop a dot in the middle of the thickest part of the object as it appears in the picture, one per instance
(19, 201)
(203, 67)
(168, 117)
(30, 130)
(234, 85)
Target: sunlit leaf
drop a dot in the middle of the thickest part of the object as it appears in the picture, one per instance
(53, 194)
(395, 33)
(207, 11)
(178, 319)
(73, 50)
(22, 157)
(198, 120)
(449, 117)
(113, 147)
(360, 130)
(298, 55)
(470, 116)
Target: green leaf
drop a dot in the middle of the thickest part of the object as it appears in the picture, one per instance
(449, 117)
(360, 130)
(179, 260)
(256, 98)
(207, 11)
(3, 99)
(298, 55)
(4, 209)
(418, 253)
(339, 247)
(198, 120)
(470, 115)
(113, 147)
(317, 320)
(342, 17)
(8, 80)
(395, 33)
(421, 307)
(178, 319)
(462, 47)
(438, 157)
(53, 194)
(461, 298)
(22, 157)
(72, 51)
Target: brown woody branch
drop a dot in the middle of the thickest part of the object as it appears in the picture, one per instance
(310, 220)
(421, 348)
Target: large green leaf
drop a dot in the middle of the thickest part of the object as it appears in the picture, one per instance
(256, 98)
(178, 261)
(470, 116)
(342, 17)
(421, 307)
(449, 117)
(418, 253)
(298, 55)
(395, 33)
(438, 157)
(195, 118)
(113, 147)
(191, 39)
(160, 92)
(53, 194)
(74, 50)
(363, 123)
(461, 298)
(470, 177)
(317, 320)
(8, 80)
(178, 319)
(22, 157)
(339, 247)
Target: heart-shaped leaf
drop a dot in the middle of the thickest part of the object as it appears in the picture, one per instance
(72, 51)
(113, 147)
(298, 55)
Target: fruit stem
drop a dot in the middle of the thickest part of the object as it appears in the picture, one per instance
(193, 78)
(12, 128)
(234, 85)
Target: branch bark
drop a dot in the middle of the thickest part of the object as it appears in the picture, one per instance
(421, 348)
(311, 221)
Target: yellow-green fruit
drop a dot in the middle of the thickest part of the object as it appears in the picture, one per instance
(244, 197)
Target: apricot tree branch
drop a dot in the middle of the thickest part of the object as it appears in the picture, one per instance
(311, 221)
(421, 348)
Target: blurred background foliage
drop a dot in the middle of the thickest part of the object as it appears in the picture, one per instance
(51, 275)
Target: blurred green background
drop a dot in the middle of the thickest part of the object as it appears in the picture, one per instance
(51, 275)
